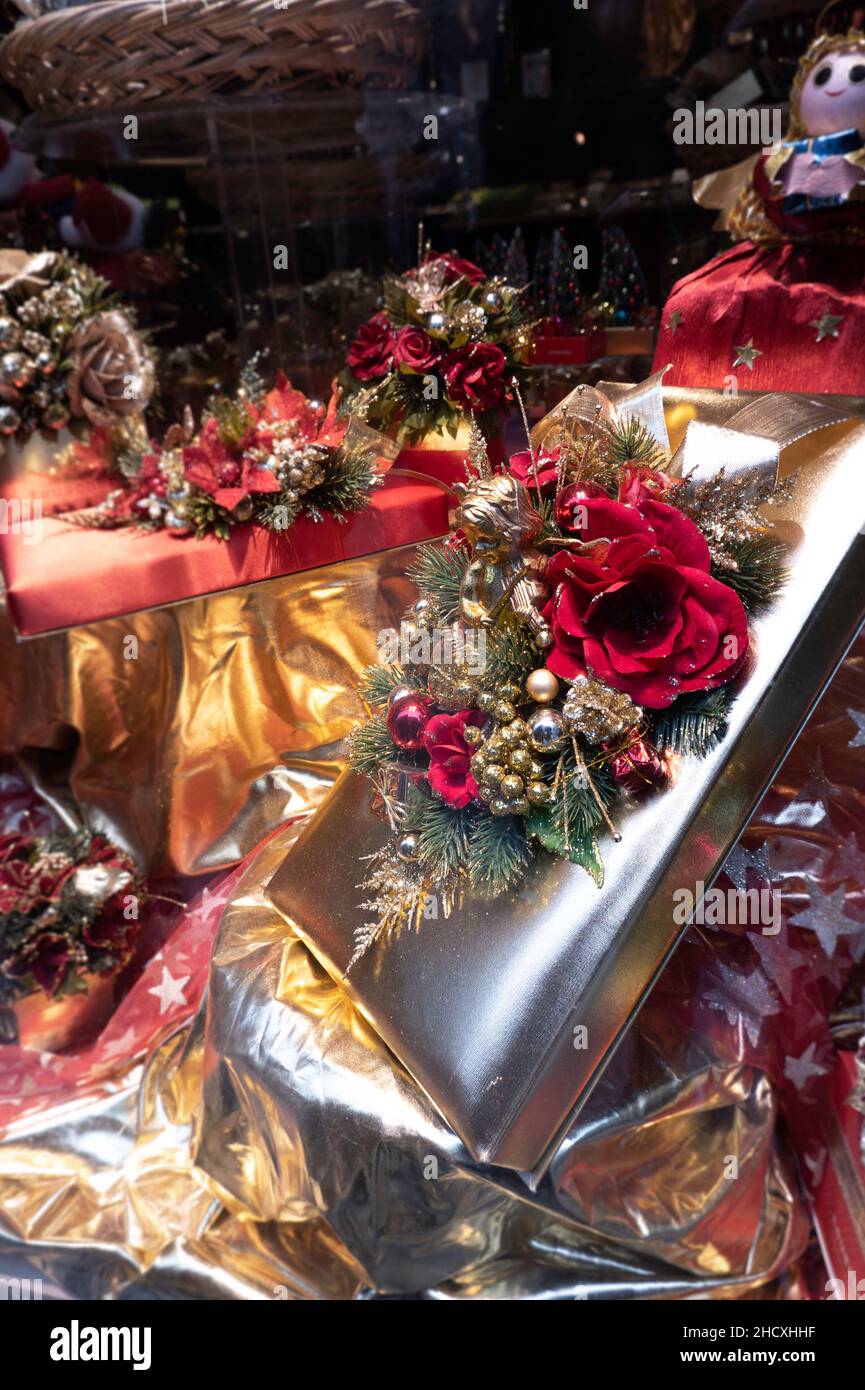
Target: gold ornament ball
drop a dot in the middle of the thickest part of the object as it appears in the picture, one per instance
(510, 691)
(494, 774)
(473, 735)
(512, 786)
(486, 700)
(538, 794)
(542, 686)
(520, 759)
(509, 737)
(504, 711)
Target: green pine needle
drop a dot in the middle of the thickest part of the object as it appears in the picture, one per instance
(275, 511)
(695, 724)
(498, 854)
(630, 440)
(438, 572)
(511, 654)
(443, 834)
(346, 489)
(760, 572)
(377, 682)
(370, 745)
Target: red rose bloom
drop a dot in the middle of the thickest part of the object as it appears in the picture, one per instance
(520, 467)
(644, 613)
(458, 268)
(474, 376)
(450, 756)
(637, 483)
(370, 354)
(413, 351)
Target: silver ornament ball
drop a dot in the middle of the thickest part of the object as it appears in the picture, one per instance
(407, 845)
(547, 731)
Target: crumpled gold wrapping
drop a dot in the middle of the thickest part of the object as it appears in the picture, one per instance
(275, 1148)
(228, 720)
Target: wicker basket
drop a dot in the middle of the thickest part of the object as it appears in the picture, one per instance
(124, 53)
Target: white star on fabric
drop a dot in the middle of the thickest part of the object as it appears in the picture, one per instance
(740, 860)
(169, 991)
(779, 961)
(848, 860)
(826, 326)
(746, 1000)
(119, 1047)
(826, 918)
(858, 739)
(800, 1070)
(746, 355)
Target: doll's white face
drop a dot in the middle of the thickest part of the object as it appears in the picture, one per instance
(833, 96)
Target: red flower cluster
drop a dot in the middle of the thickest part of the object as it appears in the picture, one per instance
(46, 932)
(228, 469)
(473, 374)
(450, 774)
(643, 612)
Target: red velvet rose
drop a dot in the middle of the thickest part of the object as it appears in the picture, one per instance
(458, 268)
(474, 376)
(644, 613)
(450, 773)
(370, 354)
(413, 351)
(520, 467)
(637, 483)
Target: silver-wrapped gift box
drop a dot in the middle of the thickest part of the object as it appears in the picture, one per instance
(506, 1013)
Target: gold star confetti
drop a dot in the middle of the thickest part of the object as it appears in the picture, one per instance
(827, 326)
(675, 319)
(746, 355)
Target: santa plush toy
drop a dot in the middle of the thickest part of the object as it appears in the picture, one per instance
(104, 219)
(784, 309)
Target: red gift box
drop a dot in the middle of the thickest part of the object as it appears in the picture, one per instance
(553, 349)
(838, 1199)
(59, 574)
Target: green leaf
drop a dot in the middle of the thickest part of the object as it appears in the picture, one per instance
(583, 848)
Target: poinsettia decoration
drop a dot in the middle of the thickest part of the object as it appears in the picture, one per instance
(579, 633)
(68, 909)
(266, 456)
(447, 343)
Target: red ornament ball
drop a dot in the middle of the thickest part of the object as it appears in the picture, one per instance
(407, 719)
(639, 768)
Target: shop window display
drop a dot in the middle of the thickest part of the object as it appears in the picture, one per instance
(432, 704)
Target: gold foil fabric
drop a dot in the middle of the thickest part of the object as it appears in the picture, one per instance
(274, 1148)
(185, 733)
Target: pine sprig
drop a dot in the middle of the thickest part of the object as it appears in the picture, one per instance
(630, 441)
(575, 800)
(275, 510)
(370, 745)
(695, 724)
(498, 854)
(346, 489)
(377, 682)
(443, 834)
(438, 572)
(510, 653)
(760, 570)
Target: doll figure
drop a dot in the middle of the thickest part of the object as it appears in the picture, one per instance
(784, 309)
